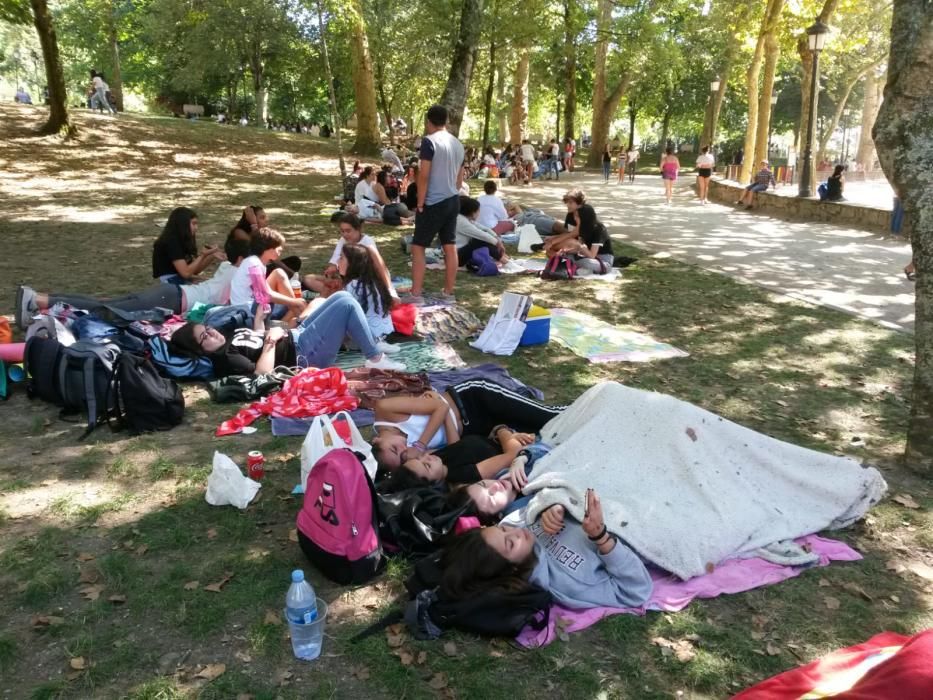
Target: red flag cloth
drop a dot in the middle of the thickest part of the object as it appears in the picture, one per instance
(311, 392)
(888, 665)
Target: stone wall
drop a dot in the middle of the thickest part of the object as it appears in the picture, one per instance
(847, 214)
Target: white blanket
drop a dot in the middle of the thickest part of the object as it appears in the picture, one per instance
(686, 488)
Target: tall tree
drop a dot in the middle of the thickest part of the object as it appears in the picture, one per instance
(752, 76)
(606, 98)
(58, 121)
(571, 32)
(903, 135)
(367, 118)
(772, 51)
(457, 89)
(841, 103)
(871, 101)
(518, 121)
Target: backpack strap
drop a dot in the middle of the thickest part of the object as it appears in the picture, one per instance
(115, 418)
(390, 618)
(90, 396)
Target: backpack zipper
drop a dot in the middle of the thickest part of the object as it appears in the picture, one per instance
(353, 529)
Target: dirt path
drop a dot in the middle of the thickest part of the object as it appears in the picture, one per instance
(854, 271)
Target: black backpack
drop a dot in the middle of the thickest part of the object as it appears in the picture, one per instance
(490, 614)
(143, 400)
(40, 361)
(85, 374)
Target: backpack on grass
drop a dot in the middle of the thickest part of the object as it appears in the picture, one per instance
(144, 400)
(559, 267)
(337, 524)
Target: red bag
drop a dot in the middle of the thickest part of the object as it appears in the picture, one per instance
(403, 318)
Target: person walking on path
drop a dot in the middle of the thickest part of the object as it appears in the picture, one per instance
(631, 162)
(100, 89)
(440, 177)
(670, 165)
(607, 162)
(622, 159)
(705, 164)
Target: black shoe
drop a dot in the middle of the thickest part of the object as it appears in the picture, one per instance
(537, 247)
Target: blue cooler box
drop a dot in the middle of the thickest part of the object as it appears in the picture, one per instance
(537, 327)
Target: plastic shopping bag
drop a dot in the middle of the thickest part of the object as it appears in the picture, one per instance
(324, 436)
(227, 485)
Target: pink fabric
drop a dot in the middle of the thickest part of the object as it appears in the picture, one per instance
(504, 226)
(671, 594)
(465, 523)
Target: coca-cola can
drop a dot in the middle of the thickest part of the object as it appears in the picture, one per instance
(255, 465)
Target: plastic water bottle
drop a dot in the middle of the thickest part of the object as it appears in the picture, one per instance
(301, 611)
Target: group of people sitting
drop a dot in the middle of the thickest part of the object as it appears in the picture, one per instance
(355, 297)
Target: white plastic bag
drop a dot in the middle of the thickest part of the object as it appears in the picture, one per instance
(227, 485)
(504, 330)
(528, 236)
(322, 437)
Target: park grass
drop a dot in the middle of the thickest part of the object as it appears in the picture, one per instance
(128, 513)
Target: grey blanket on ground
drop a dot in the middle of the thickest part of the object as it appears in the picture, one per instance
(686, 488)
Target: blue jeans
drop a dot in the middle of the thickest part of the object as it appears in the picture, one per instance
(606, 168)
(320, 336)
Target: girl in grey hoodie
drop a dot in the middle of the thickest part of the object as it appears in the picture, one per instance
(582, 565)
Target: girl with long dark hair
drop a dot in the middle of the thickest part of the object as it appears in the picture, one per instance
(365, 282)
(175, 257)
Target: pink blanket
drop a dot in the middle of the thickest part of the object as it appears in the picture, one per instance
(671, 594)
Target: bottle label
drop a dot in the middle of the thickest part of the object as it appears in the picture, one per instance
(310, 617)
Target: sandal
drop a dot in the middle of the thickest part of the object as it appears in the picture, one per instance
(910, 273)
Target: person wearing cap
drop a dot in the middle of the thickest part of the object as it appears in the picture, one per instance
(763, 178)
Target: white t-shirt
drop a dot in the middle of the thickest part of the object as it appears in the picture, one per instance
(491, 210)
(365, 241)
(364, 190)
(380, 324)
(241, 291)
(554, 150)
(528, 152)
(706, 160)
(98, 83)
(216, 290)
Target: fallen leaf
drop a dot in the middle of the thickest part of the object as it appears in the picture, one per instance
(895, 599)
(47, 620)
(406, 657)
(779, 402)
(450, 648)
(293, 535)
(282, 677)
(211, 671)
(422, 657)
(78, 663)
(218, 585)
(395, 640)
(192, 585)
(773, 649)
(283, 458)
(142, 549)
(823, 583)
(272, 618)
(85, 556)
(243, 656)
(397, 628)
(830, 602)
(692, 434)
(895, 566)
(438, 681)
(117, 599)
(857, 590)
(92, 592)
(211, 533)
(757, 635)
(361, 673)
(710, 567)
(88, 574)
(906, 500)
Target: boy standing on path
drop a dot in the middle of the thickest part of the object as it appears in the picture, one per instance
(440, 176)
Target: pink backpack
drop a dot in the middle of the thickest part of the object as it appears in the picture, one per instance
(337, 524)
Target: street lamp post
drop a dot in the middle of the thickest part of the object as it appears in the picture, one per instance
(845, 134)
(713, 89)
(816, 40)
(774, 99)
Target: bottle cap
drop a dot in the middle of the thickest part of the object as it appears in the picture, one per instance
(298, 576)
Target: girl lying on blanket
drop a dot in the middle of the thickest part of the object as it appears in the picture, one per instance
(581, 564)
(178, 298)
(314, 343)
(351, 231)
(435, 420)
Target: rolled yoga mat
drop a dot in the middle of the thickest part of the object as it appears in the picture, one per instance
(12, 352)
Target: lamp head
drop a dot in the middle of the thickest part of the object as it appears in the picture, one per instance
(817, 34)
(714, 85)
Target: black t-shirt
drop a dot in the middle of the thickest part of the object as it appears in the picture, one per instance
(411, 196)
(592, 231)
(607, 157)
(834, 188)
(164, 252)
(462, 457)
(242, 350)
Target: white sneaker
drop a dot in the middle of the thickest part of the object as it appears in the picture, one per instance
(387, 348)
(385, 363)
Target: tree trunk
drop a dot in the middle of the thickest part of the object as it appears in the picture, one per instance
(665, 129)
(806, 64)
(632, 114)
(334, 115)
(772, 53)
(116, 76)
(558, 115)
(718, 100)
(605, 102)
(519, 117)
(58, 121)
(570, 71)
(865, 154)
(461, 70)
(368, 140)
(840, 105)
(768, 25)
(490, 90)
(903, 134)
(502, 111)
(385, 104)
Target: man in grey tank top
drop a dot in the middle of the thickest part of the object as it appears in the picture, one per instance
(440, 177)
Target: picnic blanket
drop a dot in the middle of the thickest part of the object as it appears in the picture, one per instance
(526, 265)
(670, 594)
(417, 357)
(686, 488)
(446, 324)
(598, 341)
